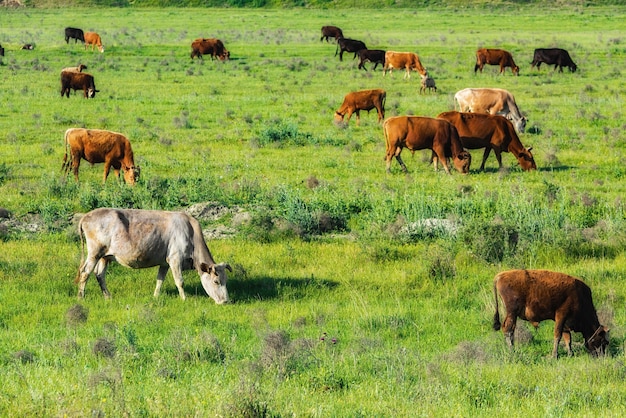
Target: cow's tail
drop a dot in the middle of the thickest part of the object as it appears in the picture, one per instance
(67, 162)
(388, 148)
(82, 251)
(496, 317)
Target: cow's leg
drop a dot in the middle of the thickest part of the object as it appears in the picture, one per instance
(558, 332)
(358, 117)
(567, 339)
(381, 113)
(107, 169)
(176, 266)
(485, 155)
(441, 155)
(498, 157)
(407, 74)
(75, 165)
(160, 278)
(83, 274)
(508, 328)
(399, 159)
(101, 271)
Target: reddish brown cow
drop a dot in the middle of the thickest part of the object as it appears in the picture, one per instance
(495, 57)
(99, 146)
(73, 80)
(331, 32)
(479, 130)
(209, 46)
(93, 39)
(407, 60)
(537, 295)
(415, 133)
(362, 100)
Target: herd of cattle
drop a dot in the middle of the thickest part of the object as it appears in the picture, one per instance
(488, 118)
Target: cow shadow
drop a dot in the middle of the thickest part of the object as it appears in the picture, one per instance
(259, 288)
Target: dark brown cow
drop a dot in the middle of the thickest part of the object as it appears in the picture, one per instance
(415, 133)
(407, 60)
(362, 100)
(348, 45)
(78, 81)
(99, 146)
(331, 32)
(495, 57)
(209, 46)
(93, 39)
(75, 33)
(553, 56)
(377, 56)
(479, 130)
(537, 295)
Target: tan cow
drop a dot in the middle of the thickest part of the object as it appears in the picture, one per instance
(492, 101)
(407, 60)
(139, 239)
(495, 57)
(100, 146)
(356, 101)
(415, 133)
(479, 130)
(93, 39)
(78, 69)
(209, 46)
(537, 295)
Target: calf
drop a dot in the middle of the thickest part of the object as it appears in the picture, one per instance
(99, 146)
(537, 295)
(553, 56)
(427, 83)
(377, 56)
(495, 57)
(72, 80)
(331, 32)
(362, 100)
(147, 238)
(348, 45)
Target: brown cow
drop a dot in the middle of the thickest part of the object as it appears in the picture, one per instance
(93, 39)
(495, 57)
(362, 100)
(331, 32)
(99, 146)
(78, 81)
(408, 60)
(492, 101)
(209, 46)
(479, 130)
(415, 133)
(537, 295)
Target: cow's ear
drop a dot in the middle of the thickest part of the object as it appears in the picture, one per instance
(529, 149)
(205, 267)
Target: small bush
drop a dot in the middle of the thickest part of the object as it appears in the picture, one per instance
(491, 242)
(77, 314)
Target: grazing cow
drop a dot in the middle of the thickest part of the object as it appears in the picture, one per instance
(537, 295)
(427, 83)
(415, 133)
(1, 51)
(492, 101)
(138, 238)
(99, 146)
(408, 60)
(495, 57)
(377, 56)
(93, 39)
(28, 47)
(331, 32)
(78, 69)
(362, 100)
(75, 33)
(479, 130)
(348, 45)
(553, 56)
(78, 81)
(209, 46)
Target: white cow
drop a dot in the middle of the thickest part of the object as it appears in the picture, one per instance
(492, 101)
(146, 238)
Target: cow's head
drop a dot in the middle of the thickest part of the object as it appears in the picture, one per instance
(519, 124)
(131, 174)
(462, 162)
(526, 160)
(597, 344)
(515, 69)
(338, 118)
(214, 279)
(225, 55)
(91, 92)
(101, 48)
(573, 68)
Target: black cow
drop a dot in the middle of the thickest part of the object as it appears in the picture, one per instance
(553, 56)
(331, 32)
(377, 56)
(348, 45)
(1, 51)
(75, 33)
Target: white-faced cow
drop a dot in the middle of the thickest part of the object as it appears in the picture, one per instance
(100, 146)
(73, 80)
(147, 238)
(492, 101)
(495, 57)
(331, 32)
(377, 56)
(356, 101)
(348, 45)
(553, 56)
(75, 33)
(407, 60)
(538, 295)
(93, 39)
(209, 46)
(479, 130)
(416, 133)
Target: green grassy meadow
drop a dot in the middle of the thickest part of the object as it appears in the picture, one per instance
(347, 302)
